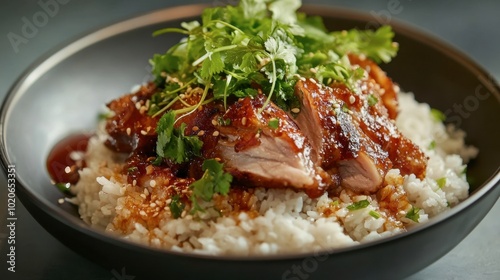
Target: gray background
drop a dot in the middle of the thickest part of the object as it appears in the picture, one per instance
(471, 26)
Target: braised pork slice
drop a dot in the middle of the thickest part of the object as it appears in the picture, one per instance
(267, 149)
(353, 136)
(341, 145)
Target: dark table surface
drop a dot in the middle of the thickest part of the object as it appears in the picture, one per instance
(471, 26)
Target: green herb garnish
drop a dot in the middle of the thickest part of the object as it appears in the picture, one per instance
(374, 214)
(274, 123)
(372, 100)
(132, 169)
(172, 142)
(176, 206)
(413, 214)
(358, 205)
(261, 42)
(64, 188)
(437, 115)
(214, 180)
(432, 145)
(441, 182)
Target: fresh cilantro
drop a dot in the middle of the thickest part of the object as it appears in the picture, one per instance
(223, 122)
(441, 182)
(376, 45)
(374, 214)
(172, 142)
(372, 100)
(214, 180)
(432, 145)
(464, 171)
(274, 123)
(265, 43)
(345, 108)
(132, 169)
(413, 214)
(358, 205)
(437, 115)
(104, 115)
(176, 206)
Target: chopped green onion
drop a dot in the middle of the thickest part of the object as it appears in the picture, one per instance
(374, 214)
(358, 205)
(413, 214)
(438, 115)
(274, 123)
(372, 100)
(441, 182)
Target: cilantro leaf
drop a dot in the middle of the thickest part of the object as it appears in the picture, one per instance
(172, 142)
(372, 100)
(214, 180)
(176, 206)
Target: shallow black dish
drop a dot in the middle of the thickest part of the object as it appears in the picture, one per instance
(65, 91)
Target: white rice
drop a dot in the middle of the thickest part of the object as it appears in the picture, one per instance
(287, 220)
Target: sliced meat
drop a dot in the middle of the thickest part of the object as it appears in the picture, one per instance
(354, 137)
(387, 90)
(267, 149)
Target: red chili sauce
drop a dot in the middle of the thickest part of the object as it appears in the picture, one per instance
(61, 167)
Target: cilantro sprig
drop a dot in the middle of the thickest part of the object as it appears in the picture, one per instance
(172, 142)
(261, 42)
(214, 180)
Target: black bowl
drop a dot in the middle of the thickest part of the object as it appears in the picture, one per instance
(65, 91)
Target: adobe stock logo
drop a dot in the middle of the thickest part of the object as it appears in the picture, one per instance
(31, 26)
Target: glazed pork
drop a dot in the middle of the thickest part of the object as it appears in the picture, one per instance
(338, 138)
(267, 149)
(353, 135)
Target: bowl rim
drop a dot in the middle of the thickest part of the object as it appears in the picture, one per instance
(65, 50)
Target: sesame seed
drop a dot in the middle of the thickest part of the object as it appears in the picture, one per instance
(216, 133)
(134, 183)
(155, 214)
(352, 99)
(152, 183)
(129, 131)
(152, 204)
(67, 169)
(218, 159)
(138, 105)
(336, 105)
(142, 213)
(244, 120)
(168, 201)
(143, 195)
(60, 200)
(214, 122)
(143, 132)
(195, 128)
(302, 79)
(312, 80)
(295, 110)
(201, 133)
